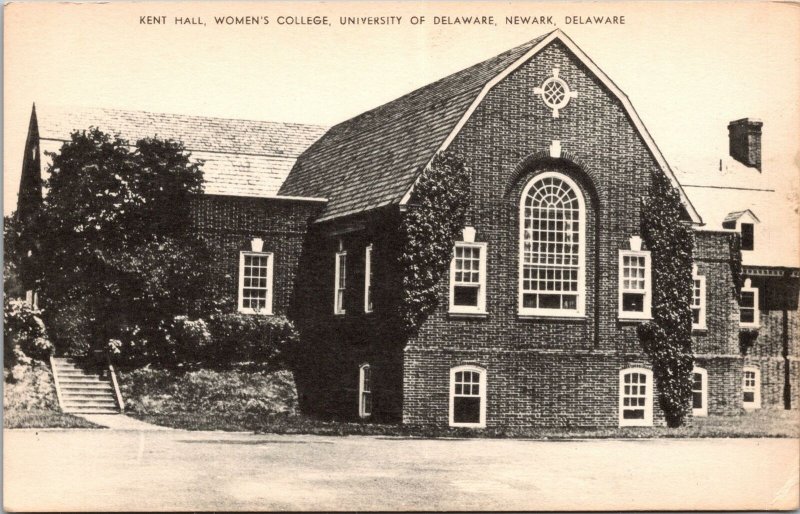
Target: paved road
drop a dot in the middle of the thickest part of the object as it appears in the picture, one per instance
(178, 470)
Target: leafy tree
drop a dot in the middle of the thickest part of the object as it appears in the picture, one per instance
(115, 248)
(667, 340)
(11, 256)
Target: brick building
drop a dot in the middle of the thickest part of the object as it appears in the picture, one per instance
(536, 324)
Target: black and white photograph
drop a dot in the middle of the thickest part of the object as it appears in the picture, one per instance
(401, 256)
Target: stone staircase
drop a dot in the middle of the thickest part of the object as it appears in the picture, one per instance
(81, 391)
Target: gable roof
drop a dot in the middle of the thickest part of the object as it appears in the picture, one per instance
(374, 159)
(734, 216)
(242, 157)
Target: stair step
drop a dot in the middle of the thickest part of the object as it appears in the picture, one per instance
(83, 389)
(88, 392)
(74, 386)
(90, 403)
(91, 411)
(81, 379)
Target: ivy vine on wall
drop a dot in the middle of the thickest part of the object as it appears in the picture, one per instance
(737, 272)
(667, 340)
(429, 227)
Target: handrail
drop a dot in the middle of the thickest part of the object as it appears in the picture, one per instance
(58, 386)
(116, 387)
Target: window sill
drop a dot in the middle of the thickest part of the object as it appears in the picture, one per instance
(699, 330)
(475, 315)
(255, 313)
(468, 425)
(549, 317)
(623, 319)
(749, 326)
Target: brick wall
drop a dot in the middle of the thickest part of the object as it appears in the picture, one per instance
(551, 371)
(230, 223)
(337, 345)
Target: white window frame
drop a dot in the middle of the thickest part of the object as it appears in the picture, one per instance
(756, 389)
(469, 309)
(701, 324)
(578, 312)
(647, 421)
(702, 411)
(338, 308)
(270, 268)
(648, 287)
(482, 395)
(362, 404)
(368, 306)
(748, 288)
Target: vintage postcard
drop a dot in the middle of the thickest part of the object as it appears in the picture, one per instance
(353, 256)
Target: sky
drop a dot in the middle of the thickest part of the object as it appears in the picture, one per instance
(688, 68)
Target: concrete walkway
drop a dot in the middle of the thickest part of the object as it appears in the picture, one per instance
(177, 470)
(119, 422)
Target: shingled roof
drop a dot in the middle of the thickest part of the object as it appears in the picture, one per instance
(242, 157)
(372, 160)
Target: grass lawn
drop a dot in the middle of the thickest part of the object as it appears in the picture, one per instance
(41, 418)
(763, 423)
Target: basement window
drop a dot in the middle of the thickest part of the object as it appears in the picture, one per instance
(468, 397)
(751, 388)
(365, 391)
(699, 392)
(635, 397)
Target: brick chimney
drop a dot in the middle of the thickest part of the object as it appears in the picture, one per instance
(744, 136)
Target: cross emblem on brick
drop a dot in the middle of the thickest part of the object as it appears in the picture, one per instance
(555, 92)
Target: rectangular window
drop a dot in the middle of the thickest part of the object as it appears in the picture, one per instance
(748, 307)
(255, 283)
(699, 392)
(340, 282)
(751, 387)
(634, 285)
(468, 278)
(699, 303)
(747, 236)
(368, 279)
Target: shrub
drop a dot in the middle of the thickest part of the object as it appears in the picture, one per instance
(192, 340)
(22, 327)
(238, 337)
(29, 387)
(233, 393)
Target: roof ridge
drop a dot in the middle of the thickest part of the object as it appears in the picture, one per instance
(71, 109)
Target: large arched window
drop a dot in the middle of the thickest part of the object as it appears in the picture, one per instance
(552, 241)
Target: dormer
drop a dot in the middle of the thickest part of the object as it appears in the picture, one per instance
(743, 222)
